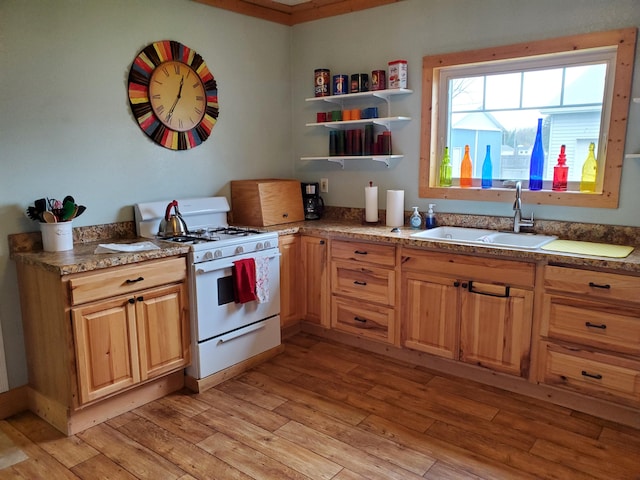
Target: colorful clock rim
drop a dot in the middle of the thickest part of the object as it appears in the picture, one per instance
(151, 57)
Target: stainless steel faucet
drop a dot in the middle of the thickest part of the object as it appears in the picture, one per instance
(517, 206)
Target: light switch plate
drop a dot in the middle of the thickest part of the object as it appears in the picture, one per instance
(324, 185)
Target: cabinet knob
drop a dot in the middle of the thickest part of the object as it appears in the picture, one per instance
(456, 284)
(132, 301)
(140, 299)
(321, 242)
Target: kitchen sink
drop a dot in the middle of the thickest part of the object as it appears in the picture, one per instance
(478, 236)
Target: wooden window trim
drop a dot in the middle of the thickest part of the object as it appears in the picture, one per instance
(624, 39)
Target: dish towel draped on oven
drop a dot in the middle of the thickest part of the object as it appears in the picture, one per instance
(244, 280)
(262, 279)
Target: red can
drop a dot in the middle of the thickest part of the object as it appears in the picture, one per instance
(378, 80)
(322, 82)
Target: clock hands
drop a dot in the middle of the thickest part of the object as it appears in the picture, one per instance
(170, 113)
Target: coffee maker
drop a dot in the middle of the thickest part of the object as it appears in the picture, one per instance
(311, 201)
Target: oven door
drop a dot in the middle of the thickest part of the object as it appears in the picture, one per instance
(213, 309)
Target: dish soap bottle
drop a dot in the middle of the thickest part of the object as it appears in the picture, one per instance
(416, 219)
(589, 171)
(430, 221)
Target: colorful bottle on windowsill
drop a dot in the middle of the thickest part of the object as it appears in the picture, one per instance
(445, 169)
(537, 161)
(589, 171)
(560, 173)
(487, 171)
(466, 169)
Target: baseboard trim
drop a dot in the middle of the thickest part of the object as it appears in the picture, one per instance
(14, 401)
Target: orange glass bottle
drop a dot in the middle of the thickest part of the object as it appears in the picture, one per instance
(466, 169)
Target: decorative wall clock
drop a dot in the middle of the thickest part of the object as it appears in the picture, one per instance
(173, 95)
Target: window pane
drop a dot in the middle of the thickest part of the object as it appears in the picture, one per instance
(585, 84)
(466, 94)
(503, 91)
(542, 88)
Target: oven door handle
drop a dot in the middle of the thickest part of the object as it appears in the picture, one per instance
(208, 267)
(240, 333)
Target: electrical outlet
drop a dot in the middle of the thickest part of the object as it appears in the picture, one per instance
(324, 185)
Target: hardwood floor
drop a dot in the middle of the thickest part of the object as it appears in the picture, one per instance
(326, 411)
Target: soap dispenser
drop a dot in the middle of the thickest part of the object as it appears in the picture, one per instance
(416, 219)
(431, 217)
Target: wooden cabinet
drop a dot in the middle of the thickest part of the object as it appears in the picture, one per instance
(90, 336)
(363, 288)
(290, 275)
(315, 280)
(473, 309)
(590, 333)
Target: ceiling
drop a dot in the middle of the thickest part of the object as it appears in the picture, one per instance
(292, 12)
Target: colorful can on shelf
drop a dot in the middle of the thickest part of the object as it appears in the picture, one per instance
(340, 84)
(322, 82)
(378, 80)
(359, 83)
(398, 74)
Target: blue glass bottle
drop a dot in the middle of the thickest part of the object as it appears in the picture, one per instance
(487, 172)
(537, 161)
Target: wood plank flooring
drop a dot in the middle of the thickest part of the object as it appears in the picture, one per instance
(322, 410)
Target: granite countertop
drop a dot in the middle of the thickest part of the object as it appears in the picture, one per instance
(382, 233)
(27, 247)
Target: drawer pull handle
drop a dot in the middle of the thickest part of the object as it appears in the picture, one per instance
(597, 376)
(606, 286)
(500, 295)
(358, 282)
(601, 326)
(135, 280)
(360, 252)
(361, 320)
(321, 242)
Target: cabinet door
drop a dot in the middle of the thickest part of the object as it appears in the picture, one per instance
(106, 348)
(164, 342)
(289, 280)
(315, 298)
(495, 327)
(430, 313)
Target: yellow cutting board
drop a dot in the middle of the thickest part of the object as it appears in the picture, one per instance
(588, 248)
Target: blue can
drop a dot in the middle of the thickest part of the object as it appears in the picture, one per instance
(340, 84)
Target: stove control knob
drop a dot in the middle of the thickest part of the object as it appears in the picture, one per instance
(267, 244)
(217, 254)
(239, 250)
(207, 256)
(259, 246)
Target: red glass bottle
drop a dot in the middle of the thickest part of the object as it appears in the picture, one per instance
(560, 173)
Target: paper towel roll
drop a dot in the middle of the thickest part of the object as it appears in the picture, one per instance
(395, 208)
(371, 204)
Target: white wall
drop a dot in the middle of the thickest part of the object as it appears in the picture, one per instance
(66, 126)
(364, 41)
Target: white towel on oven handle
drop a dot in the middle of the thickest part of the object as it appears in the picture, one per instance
(262, 278)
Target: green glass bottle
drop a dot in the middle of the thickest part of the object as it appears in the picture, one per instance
(589, 171)
(445, 169)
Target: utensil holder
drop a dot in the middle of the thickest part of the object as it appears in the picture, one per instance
(57, 237)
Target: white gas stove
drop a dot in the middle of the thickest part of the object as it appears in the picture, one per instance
(224, 332)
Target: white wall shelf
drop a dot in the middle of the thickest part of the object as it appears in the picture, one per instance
(341, 159)
(385, 122)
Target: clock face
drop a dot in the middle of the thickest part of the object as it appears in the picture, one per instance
(177, 96)
(173, 95)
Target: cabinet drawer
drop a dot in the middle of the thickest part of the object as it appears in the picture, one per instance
(383, 255)
(122, 280)
(371, 321)
(607, 326)
(593, 284)
(363, 283)
(600, 375)
(466, 267)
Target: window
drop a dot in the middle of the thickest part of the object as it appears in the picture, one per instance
(579, 86)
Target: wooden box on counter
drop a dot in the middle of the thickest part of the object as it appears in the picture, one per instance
(265, 202)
